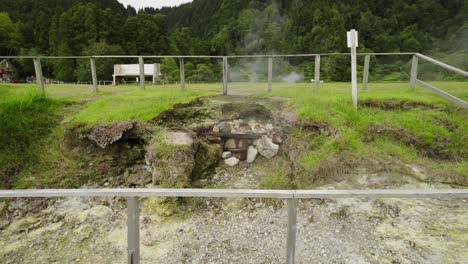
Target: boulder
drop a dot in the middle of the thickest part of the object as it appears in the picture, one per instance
(179, 138)
(266, 147)
(252, 153)
(230, 144)
(232, 161)
(227, 154)
(23, 224)
(224, 127)
(104, 135)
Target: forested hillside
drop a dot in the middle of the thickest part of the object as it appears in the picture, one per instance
(84, 27)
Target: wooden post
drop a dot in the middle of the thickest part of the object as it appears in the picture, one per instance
(93, 74)
(365, 79)
(353, 43)
(317, 72)
(414, 72)
(156, 78)
(225, 75)
(270, 73)
(39, 77)
(142, 72)
(182, 73)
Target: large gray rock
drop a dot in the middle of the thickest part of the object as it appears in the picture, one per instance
(252, 153)
(227, 154)
(266, 147)
(232, 161)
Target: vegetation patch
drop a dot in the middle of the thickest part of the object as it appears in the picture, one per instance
(437, 149)
(395, 104)
(26, 122)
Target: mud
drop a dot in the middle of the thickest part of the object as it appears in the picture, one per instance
(436, 150)
(395, 104)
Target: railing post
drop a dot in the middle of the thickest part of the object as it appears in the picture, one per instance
(142, 72)
(38, 70)
(317, 72)
(270, 73)
(414, 72)
(365, 79)
(93, 74)
(156, 71)
(133, 230)
(225, 75)
(182, 73)
(291, 242)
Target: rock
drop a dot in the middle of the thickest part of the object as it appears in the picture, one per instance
(206, 158)
(230, 144)
(257, 128)
(213, 139)
(179, 138)
(252, 153)
(104, 135)
(233, 161)
(216, 129)
(22, 224)
(226, 155)
(277, 138)
(266, 147)
(269, 127)
(100, 211)
(224, 127)
(171, 166)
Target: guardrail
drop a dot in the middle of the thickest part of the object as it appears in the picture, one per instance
(414, 78)
(133, 211)
(270, 57)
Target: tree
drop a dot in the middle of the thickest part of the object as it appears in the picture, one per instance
(10, 38)
(104, 66)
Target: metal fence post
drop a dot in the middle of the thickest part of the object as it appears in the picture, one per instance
(133, 230)
(225, 75)
(270, 73)
(317, 72)
(291, 242)
(93, 74)
(414, 72)
(182, 73)
(142, 72)
(365, 79)
(38, 70)
(157, 69)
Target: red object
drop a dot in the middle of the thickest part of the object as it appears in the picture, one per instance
(15, 81)
(3, 71)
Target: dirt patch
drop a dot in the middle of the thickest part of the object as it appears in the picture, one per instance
(246, 111)
(395, 104)
(318, 126)
(437, 149)
(181, 114)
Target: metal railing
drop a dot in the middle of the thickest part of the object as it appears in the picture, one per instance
(270, 57)
(414, 78)
(133, 210)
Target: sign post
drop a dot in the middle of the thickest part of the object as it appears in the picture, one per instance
(352, 38)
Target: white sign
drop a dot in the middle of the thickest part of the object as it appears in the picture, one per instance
(132, 70)
(352, 37)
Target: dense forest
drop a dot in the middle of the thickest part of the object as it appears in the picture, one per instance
(223, 27)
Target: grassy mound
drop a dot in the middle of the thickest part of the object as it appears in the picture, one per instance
(26, 121)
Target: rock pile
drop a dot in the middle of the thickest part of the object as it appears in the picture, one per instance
(244, 141)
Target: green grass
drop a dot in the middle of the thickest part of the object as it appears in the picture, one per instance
(136, 105)
(31, 125)
(332, 104)
(26, 120)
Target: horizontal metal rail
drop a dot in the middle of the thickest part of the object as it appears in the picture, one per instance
(207, 56)
(443, 65)
(133, 205)
(238, 193)
(448, 96)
